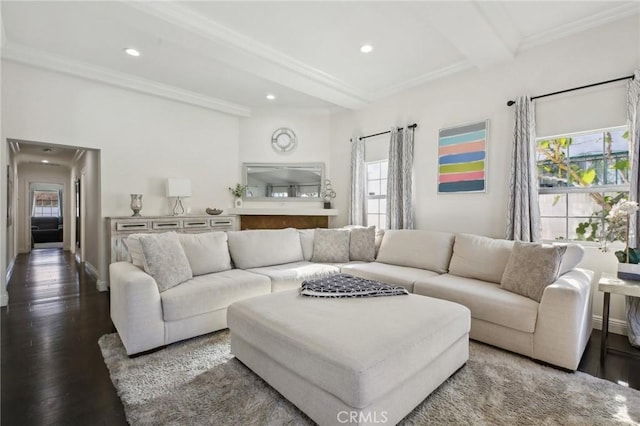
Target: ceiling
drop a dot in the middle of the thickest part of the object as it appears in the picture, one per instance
(43, 153)
(227, 55)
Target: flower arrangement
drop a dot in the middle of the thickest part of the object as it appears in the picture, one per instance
(238, 190)
(618, 229)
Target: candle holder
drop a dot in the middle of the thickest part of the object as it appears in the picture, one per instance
(136, 204)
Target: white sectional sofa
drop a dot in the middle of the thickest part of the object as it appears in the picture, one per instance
(462, 268)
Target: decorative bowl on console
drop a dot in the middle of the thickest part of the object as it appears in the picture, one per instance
(213, 211)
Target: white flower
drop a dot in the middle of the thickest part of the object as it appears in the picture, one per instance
(622, 209)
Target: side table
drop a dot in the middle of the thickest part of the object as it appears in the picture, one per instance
(608, 284)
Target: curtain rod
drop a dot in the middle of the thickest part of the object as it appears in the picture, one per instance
(410, 126)
(509, 103)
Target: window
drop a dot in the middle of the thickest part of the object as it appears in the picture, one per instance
(45, 203)
(580, 176)
(377, 193)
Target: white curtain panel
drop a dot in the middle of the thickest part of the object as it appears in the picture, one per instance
(523, 211)
(357, 211)
(400, 180)
(633, 120)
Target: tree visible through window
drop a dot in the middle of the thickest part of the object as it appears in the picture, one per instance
(377, 193)
(580, 177)
(45, 203)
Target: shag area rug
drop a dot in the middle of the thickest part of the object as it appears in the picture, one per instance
(198, 382)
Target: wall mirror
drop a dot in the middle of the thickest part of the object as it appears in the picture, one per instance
(283, 181)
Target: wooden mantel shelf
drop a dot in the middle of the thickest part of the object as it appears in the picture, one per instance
(246, 211)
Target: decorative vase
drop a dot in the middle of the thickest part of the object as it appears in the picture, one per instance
(238, 202)
(136, 204)
(629, 271)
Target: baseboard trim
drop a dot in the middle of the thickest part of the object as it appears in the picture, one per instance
(4, 299)
(92, 270)
(615, 325)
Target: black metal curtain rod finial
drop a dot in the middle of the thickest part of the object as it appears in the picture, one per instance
(510, 103)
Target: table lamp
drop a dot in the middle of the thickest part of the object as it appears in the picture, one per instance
(178, 188)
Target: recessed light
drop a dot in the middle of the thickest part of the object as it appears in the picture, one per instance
(45, 161)
(366, 48)
(131, 51)
(271, 96)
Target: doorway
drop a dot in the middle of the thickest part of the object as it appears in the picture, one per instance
(46, 215)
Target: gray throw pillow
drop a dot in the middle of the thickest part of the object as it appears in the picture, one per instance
(531, 268)
(363, 244)
(165, 259)
(331, 246)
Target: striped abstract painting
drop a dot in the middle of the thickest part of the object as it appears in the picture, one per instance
(462, 154)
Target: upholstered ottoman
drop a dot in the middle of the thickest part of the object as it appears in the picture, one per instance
(351, 361)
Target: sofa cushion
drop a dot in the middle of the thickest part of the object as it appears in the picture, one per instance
(416, 248)
(362, 244)
(478, 257)
(487, 301)
(570, 258)
(531, 268)
(291, 275)
(264, 247)
(391, 274)
(165, 259)
(207, 293)
(134, 248)
(306, 240)
(331, 245)
(207, 252)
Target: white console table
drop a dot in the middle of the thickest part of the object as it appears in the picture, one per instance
(123, 226)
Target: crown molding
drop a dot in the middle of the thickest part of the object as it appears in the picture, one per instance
(455, 68)
(593, 21)
(37, 58)
(251, 55)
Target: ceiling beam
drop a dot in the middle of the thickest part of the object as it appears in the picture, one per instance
(466, 27)
(254, 57)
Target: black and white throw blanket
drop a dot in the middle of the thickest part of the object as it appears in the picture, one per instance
(344, 285)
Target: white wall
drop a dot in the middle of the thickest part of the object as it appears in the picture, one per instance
(30, 173)
(143, 139)
(312, 131)
(599, 54)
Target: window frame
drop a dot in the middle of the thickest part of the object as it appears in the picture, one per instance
(379, 224)
(567, 190)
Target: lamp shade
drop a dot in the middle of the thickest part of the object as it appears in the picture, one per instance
(178, 188)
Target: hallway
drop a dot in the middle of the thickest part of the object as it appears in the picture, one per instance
(52, 369)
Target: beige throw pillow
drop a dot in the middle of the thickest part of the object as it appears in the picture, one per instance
(331, 246)
(531, 268)
(207, 252)
(165, 259)
(362, 245)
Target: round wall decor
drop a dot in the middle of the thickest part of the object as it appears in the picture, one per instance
(283, 140)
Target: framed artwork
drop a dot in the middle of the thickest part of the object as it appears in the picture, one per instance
(462, 158)
(9, 196)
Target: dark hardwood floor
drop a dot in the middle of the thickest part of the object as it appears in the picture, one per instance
(52, 369)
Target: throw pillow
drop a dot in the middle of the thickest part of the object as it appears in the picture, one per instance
(362, 245)
(306, 240)
(331, 246)
(165, 259)
(531, 268)
(134, 248)
(207, 252)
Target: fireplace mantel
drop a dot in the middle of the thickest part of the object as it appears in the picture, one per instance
(278, 218)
